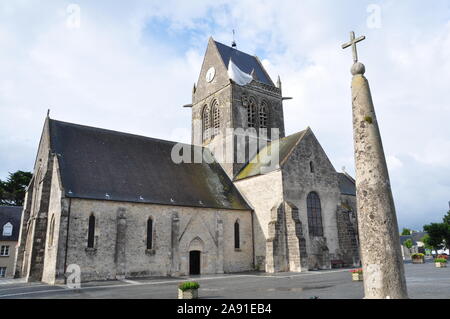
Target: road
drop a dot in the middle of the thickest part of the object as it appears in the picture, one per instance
(423, 281)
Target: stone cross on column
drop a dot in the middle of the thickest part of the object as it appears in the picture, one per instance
(382, 261)
(352, 43)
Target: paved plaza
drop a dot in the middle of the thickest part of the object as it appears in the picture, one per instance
(424, 281)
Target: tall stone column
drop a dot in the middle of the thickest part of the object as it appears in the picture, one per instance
(377, 222)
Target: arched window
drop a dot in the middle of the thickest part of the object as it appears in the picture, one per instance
(311, 167)
(263, 109)
(52, 230)
(314, 215)
(206, 122)
(150, 233)
(251, 113)
(216, 117)
(7, 229)
(237, 241)
(91, 231)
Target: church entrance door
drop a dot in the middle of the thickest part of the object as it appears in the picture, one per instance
(194, 262)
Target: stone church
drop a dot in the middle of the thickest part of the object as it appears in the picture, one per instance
(120, 206)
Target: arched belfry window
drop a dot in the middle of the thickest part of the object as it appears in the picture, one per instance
(314, 215)
(237, 240)
(91, 231)
(215, 117)
(251, 112)
(206, 122)
(150, 233)
(263, 117)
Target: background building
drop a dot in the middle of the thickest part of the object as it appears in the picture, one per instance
(9, 234)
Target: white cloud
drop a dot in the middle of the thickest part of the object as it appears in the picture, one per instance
(393, 162)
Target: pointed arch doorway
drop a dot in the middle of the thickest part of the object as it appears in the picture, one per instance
(196, 248)
(194, 262)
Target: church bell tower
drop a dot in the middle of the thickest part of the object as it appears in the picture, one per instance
(234, 95)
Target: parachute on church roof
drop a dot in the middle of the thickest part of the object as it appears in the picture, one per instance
(237, 75)
(245, 62)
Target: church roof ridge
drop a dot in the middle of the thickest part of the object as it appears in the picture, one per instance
(119, 132)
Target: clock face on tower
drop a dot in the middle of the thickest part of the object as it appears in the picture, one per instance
(210, 74)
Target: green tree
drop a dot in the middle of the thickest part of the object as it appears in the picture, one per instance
(446, 218)
(436, 233)
(426, 241)
(408, 243)
(12, 191)
(406, 232)
(446, 230)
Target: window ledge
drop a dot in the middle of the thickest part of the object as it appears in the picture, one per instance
(90, 251)
(150, 252)
(237, 249)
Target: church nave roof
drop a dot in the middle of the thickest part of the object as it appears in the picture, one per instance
(108, 165)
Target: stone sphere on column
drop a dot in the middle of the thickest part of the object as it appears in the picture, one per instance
(358, 68)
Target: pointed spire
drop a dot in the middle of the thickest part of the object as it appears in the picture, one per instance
(279, 82)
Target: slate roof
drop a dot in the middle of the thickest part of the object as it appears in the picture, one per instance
(266, 160)
(11, 214)
(102, 164)
(346, 184)
(245, 62)
(415, 237)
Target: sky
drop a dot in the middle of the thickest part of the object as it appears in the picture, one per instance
(130, 66)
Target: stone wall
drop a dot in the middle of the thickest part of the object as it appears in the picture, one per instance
(53, 228)
(299, 181)
(120, 240)
(34, 228)
(347, 219)
(348, 239)
(286, 245)
(263, 192)
(24, 222)
(296, 242)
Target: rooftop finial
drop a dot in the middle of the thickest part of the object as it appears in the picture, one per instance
(48, 112)
(233, 44)
(358, 67)
(279, 82)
